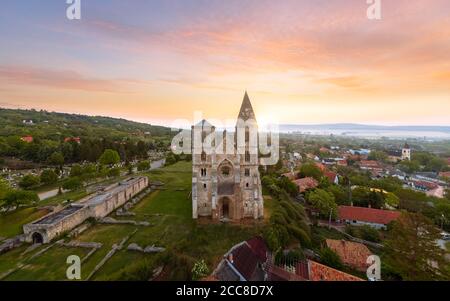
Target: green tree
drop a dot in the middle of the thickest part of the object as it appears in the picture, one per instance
(329, 258)
(114, 172)
(15, 198)
(4, 189)
(76, 170)
(56, 159)
(143, 165)
(340, 194)
(324, 202)
(411, 250)
(73, 183)
(409, 166)
(311, 170)
(49, 176)
(378, 156)
(29, 181)
(109, 157)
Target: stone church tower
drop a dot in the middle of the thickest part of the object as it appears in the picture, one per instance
(226, 185)
(406, 152)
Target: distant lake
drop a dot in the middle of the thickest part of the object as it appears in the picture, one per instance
(369, 131)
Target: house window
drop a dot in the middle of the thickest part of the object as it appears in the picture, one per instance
(204, 185)
(247, 185)
(247, 172)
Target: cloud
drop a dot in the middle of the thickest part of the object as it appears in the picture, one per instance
(60, 79)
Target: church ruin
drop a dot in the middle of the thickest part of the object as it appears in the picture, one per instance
(226, 185)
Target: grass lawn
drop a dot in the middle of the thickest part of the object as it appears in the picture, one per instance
(11, 223)
(49, 266)
(58, 199)
(170, 213)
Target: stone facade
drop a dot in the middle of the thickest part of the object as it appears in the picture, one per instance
(98, 205)
(226, 184)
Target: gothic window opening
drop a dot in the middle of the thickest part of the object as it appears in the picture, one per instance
(247, 156)
(226, 171)
(203, 157)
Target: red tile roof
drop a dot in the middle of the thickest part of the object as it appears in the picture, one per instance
(306, 184)
(259, 247)
(445, 174)
(369, 215)
(331, 176)
(427, 185)
(75, 139)
(245, 261)
(351, 253)
(320, 272)
(276, 273)
(290, 175)
(27, 139)
(342, 163)
(321, 166)
(370, 164)
(248, 255)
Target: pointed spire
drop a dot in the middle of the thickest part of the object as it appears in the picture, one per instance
(246, 112)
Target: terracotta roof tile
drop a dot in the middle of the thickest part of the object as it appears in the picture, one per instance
(306, 183)
(369, 215)
(320, 272)
(351, 253)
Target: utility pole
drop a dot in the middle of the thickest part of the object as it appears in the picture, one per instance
(329, 220)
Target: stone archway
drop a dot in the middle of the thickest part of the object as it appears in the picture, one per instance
(37, 238)
(225, 208)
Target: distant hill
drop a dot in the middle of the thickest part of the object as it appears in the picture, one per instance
(55, 126)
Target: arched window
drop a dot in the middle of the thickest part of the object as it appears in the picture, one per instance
(203, 157)
(226, 171)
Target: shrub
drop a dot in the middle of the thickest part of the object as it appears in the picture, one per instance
(29, 181)
(49, 176)
(72, 183)
(200, 270)
(329, 258)
(143, 165)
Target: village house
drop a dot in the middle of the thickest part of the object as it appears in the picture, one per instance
(332, 177)
(306, 184)
(352, 254)
(72, 139)
(445, 174)
(359, 216)
(307, 270)
(245, 261)
(27, 139)
(252, 261)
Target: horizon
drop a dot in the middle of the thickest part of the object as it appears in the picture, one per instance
(173, 58)
(281, 124)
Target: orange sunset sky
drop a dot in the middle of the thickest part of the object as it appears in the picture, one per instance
(302, 62)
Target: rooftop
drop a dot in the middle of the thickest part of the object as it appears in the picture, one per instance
(369, 215)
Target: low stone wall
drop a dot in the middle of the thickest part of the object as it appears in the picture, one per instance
(97, 206)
